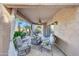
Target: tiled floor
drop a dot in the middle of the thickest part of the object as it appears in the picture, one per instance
(36, 52)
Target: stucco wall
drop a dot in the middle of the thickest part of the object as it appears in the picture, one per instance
(4, 31)
(68, 30)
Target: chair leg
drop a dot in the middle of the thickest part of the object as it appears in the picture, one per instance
(52, 53)
(52, 50)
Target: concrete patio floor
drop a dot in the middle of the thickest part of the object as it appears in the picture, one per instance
(36, 52)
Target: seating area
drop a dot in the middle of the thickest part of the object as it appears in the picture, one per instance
(28, 35)
(27, 40)
(25, 45)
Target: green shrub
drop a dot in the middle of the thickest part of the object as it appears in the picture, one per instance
(16, 34)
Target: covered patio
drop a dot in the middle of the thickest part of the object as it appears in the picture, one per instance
(41, 31)
(35, 30)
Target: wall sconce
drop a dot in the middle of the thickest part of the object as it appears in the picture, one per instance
(55, 23)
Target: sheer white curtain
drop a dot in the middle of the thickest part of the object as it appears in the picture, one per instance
(12, 51)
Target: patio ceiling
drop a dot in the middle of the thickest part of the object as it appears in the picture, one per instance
(39, 14)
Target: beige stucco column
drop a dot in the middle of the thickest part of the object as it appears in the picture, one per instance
(12, 22)
(46, 30)
(7, 22)
(4, 30)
